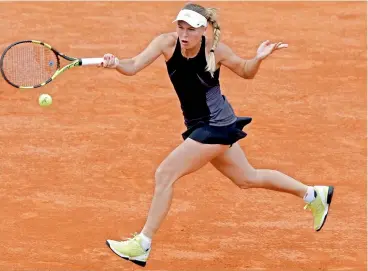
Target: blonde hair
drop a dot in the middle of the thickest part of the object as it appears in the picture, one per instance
(211, 15)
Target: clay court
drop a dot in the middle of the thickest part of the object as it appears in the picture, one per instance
(81, 171)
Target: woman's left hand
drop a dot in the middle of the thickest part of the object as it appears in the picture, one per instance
(266, 48)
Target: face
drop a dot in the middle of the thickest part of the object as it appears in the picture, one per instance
(189, 36)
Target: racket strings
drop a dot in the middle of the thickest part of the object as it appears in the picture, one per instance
(29, 64)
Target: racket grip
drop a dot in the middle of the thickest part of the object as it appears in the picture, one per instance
(91, 61)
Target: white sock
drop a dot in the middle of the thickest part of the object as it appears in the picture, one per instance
(145, 241)
(309, 195)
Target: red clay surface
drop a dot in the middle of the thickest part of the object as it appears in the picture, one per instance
(81, 171)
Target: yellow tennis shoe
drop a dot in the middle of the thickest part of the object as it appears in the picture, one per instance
(130, 249)
(320, 205)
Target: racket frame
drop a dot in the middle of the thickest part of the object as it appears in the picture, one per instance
(75, 62)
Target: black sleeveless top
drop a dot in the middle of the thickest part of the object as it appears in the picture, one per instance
(199, 93)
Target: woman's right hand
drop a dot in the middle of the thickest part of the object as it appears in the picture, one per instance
(109, 61)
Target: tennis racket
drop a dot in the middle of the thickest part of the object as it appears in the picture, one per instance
(32, 64)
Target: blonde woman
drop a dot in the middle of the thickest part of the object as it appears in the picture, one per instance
(193, 65)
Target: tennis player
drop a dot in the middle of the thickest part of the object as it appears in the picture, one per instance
(193, 65)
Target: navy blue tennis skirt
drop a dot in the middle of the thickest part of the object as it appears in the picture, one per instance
(225, 135)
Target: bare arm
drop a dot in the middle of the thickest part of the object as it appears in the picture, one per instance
(133, 65)
(246, 68)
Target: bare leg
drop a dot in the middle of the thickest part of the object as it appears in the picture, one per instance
(232, 162)
(186, 158)
(234, 165)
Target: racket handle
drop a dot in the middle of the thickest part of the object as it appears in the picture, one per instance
(91, 61)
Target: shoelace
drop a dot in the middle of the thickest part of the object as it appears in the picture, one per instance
(308, 206)
(134, 235)
(133, 239)
(317, 208)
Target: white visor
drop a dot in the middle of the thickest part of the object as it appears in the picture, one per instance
(191, 17)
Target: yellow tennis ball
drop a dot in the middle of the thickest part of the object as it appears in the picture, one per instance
(45, 100)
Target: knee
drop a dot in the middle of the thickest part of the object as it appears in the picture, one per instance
(164, 178)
